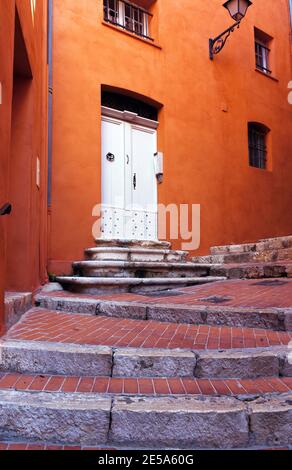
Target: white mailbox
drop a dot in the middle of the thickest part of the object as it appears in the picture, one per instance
(158, 164)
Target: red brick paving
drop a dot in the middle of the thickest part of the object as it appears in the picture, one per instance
(51, 326)
(26, 446)
(146, 386)
(241, 293)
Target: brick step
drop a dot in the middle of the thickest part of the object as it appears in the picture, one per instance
(41, 446)
(260, 246)
(53, 342)
(177, 422)
(48, 446)
(140, 269)
(173, 307)
(143, 386)
(35, 357)
(102, 285)
(147, 244)
(53, 326)
(134, 254)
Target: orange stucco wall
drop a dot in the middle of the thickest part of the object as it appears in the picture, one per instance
(23, 139)
(203, 122)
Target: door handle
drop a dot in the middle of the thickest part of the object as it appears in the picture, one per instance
(135, 180)
(6, 209)
(110, 157)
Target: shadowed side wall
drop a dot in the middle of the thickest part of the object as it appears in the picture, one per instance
(23, 139)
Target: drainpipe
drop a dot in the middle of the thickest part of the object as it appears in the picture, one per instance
(50, 99)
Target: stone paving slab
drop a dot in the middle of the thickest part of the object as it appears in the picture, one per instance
(60, 418)
(153, 363)
(180, 422)
(46, 358)
(271, 420)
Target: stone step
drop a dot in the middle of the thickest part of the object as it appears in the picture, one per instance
(260, 246)
(149, 244)
(37, 357)
(34, 357)
(277, 319)
(202, 422)
(253, 270)
(241, 364)
(134, 254)
(105, 285)
(248, 257)
(16, 304)
(172, 422)
(140, 269)
(56, 417)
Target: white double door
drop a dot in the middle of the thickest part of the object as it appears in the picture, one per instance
(129, 187)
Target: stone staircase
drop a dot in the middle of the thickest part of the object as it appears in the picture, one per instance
(134, 266)
(101, 381)
(267, 258)
(201, 367)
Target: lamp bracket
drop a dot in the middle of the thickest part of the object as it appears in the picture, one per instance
(216, 45)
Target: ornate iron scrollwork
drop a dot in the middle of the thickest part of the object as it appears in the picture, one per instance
(216, 45)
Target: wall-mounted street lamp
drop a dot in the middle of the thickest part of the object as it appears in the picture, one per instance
(237, 10)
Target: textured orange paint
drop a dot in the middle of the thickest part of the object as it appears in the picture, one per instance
(203, 122)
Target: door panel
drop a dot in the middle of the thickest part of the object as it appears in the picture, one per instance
(113, 178)
(129, 188)
(142, 198)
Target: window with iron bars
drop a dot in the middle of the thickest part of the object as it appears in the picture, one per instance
(257, 142)
(262, 57)
(128, 16)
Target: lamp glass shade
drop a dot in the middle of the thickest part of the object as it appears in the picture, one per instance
(237, 8)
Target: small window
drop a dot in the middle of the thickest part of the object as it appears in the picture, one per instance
(257, 143)
(263, 51)
(111, 11)
(128, 16)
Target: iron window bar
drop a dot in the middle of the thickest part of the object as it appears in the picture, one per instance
(128, 16)
(262, 58)
(257, 148)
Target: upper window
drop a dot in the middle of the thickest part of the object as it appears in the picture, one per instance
(257, 143)
(262, 51)
(128, 16)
